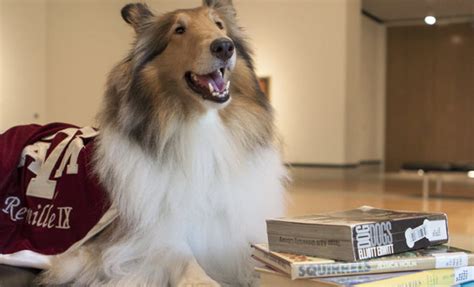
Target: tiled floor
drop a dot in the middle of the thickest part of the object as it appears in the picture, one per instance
(321, 191)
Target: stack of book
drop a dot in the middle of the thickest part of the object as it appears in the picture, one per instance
(362, 247)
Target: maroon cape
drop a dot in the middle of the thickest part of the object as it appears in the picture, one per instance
(50, 198)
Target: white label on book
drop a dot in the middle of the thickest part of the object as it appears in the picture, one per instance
(432, 230)
(463, 274)
(436, 230)
(451, 260)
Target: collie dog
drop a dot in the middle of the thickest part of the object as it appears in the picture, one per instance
(188, 155)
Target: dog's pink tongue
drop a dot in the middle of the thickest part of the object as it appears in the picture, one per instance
(215, 79)
(218, 81)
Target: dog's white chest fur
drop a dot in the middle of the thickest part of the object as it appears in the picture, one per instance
(208, 199)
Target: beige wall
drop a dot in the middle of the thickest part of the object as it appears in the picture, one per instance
(372, 81)
(355, 136)
(365, 107)
(22, 62)
(85, 39)
(365, 87)
(301, 47)
(306, 47)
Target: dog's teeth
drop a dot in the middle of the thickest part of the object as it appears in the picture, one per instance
(211, 88)
(228, 85)
(220, 73)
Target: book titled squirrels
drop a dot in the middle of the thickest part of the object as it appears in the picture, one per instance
(357, 234)
(303, 267)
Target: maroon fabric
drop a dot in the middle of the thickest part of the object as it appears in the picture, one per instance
(47, 225)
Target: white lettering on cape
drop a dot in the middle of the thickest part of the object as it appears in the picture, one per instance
(43, 185)
(47, 216)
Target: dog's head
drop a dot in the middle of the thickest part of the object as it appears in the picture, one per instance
(191, 51)
(182, 64)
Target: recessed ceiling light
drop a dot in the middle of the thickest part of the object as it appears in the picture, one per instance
(430, 20)
(471, 174)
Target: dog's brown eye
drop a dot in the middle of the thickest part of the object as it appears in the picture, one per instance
(219, 25)
(180, 30)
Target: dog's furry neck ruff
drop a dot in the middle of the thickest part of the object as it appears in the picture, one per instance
(200, 152)
(212, 199)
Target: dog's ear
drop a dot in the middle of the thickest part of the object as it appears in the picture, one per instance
(136, 14)
(224, 6)
(216, 3)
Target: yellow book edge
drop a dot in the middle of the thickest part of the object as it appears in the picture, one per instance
(428, 278)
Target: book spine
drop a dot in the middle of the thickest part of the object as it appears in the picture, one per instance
(440, 261)
(439, 277)
(372, 240)
(361, 241)
(334, 248)
(305, 270)
(272, 261)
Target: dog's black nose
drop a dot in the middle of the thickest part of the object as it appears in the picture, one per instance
(222, 48)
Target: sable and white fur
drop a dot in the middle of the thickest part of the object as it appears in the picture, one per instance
(193, 180)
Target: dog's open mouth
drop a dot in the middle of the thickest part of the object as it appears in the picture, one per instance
(211, 86)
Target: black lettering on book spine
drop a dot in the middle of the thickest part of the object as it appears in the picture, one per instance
(279, 262)
(373, 240)
(309, 241)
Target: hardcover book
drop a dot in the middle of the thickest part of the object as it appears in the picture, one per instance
(357, 234)
(303, 267)
(428, 278)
